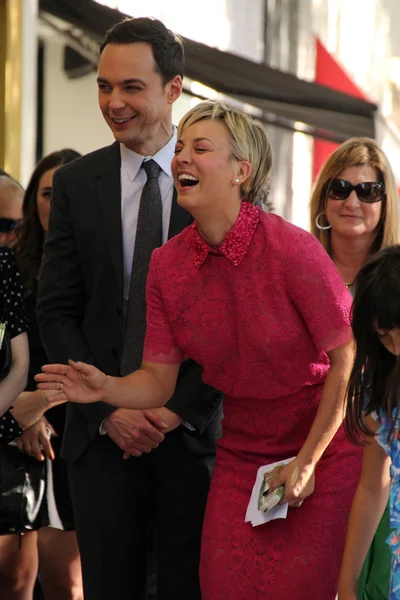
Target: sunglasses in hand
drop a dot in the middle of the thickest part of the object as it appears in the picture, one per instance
(7, 225)
(367, 191)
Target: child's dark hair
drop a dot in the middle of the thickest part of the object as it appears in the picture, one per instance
(375, 378)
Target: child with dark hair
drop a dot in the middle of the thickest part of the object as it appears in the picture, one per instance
(372, 415)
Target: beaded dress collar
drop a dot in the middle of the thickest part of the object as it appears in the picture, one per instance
(236, 242)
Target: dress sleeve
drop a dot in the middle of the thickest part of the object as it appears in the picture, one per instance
(317, 290)
(9, 428)
(160, 345)
(12, 300)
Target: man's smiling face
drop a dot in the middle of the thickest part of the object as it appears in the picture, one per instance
(132, 97)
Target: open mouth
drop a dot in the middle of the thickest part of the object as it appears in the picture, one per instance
(187, 180)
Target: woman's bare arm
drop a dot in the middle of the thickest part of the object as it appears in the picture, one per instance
(15, 382)
(368, 506)
(298, 475)
(149, 387)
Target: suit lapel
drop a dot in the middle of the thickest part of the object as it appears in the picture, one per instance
(180, 218)
(108, 189)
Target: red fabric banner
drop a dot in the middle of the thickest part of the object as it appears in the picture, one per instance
(330, 73)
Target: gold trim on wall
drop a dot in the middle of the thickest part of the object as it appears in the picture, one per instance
(11, 18)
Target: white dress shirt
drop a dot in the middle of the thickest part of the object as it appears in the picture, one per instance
(133, 178)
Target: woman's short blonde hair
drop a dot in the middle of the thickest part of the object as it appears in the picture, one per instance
(248, 141)
(359, 152)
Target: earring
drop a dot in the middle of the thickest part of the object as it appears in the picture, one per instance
(322, 227)
(237, 180)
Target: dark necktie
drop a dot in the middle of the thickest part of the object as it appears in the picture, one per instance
(148, 237)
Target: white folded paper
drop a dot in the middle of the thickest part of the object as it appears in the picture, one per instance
(253, 514)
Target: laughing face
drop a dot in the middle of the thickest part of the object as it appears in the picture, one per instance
(203, 169)
(132, 98)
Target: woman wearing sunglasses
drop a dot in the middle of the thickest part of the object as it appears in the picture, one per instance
(354, 214)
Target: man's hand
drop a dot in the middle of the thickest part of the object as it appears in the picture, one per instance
(35, 441)
(135, 431)
(171, 419)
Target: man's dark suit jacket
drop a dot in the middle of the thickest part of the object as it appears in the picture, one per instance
(80, 297)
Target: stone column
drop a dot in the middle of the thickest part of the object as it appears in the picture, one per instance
(18, 56)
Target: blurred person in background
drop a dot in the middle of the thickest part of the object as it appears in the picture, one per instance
(53, 547)
(11, 198)
(354, 214)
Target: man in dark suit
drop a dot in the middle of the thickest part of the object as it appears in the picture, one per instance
(84, 297)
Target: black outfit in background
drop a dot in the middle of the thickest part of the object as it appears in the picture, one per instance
(9, 429)
(13, 313)
(55, 416)
(81, 317)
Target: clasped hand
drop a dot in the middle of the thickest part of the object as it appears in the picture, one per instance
(76, 382)
(298, 480)
(140, 431)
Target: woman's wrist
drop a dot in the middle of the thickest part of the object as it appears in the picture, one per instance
(108, 389)
(307, 460)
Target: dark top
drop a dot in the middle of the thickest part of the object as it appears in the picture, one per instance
(13, 313)
(55, 416)
(37, 358)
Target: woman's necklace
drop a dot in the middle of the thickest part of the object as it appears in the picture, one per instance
(349, 284)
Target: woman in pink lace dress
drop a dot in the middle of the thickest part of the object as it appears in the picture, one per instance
(259, 304)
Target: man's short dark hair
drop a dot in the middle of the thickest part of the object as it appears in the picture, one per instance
(167, 47)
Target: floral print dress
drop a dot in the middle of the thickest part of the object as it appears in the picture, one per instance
(392, 449)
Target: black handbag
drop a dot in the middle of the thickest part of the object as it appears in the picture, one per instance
(22, 489)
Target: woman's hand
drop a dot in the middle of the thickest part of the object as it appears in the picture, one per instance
(298, 480)
(29, 407)
(76, 382)
(35, 441)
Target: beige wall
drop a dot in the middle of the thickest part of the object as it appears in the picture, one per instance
(71, 115)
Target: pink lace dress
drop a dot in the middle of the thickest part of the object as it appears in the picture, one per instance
(259, 314)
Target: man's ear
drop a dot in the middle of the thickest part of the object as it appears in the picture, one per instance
(174, 89)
